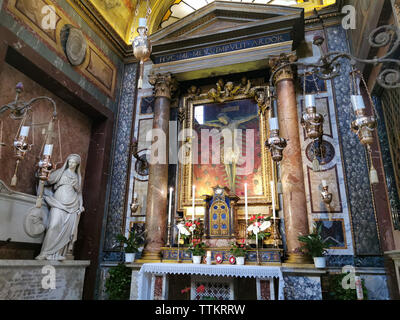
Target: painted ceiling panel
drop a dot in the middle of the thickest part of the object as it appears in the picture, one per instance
(123, 15)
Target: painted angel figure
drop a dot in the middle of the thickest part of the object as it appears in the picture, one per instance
(63, 195)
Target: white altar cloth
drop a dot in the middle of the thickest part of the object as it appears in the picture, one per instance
(260, 272)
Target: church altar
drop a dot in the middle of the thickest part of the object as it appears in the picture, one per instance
(153, 284)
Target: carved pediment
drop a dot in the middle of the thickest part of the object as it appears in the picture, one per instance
(221, 22)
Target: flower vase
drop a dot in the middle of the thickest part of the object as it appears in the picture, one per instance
(240, 261)
(320, 262)
(197, 259)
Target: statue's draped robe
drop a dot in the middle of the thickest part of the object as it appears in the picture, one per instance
(65, 207)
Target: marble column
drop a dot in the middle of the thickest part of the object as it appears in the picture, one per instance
(157, 192)
(294, 196)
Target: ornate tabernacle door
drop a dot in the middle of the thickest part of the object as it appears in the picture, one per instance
(220, 214)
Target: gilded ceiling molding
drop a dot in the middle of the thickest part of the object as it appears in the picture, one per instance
(103, 29)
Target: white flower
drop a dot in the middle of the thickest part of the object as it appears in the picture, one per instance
(183, 230)
(254, 228)
(265, 225)
(192, 228)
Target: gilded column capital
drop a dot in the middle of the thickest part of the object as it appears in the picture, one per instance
(279, 72)
(164, 84)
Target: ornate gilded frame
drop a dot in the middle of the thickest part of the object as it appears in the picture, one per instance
(186, 118)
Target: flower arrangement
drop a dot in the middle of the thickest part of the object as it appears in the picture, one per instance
(191, 228)
(239, 249)
(197, 248)
(258, 226)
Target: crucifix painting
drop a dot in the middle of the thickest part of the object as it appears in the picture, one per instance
(233, 148)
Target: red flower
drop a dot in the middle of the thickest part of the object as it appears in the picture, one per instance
(243, 241)
(201, 289)
(185, 290)
(253, 218)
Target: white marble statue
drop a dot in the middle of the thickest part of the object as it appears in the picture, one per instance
(63, 195)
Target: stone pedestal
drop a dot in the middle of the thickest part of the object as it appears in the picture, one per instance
(42, 280)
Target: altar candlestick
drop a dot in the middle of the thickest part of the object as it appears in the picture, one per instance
(273, 198)
(245, 204)
(170, 207)
(193, 201)
(324, 183)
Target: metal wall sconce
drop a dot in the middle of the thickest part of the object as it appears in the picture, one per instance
(142, 48)
(312, 121)
(275, 144)
(142, 165)
(135, 204)
(19, 111)
(327, 197)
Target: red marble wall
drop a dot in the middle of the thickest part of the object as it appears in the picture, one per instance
(75, 130)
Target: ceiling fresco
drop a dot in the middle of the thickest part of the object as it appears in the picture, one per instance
(123, 15)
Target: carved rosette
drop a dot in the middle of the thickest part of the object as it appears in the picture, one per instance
(279, 73)
(164, 85)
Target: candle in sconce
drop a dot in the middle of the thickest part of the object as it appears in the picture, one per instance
(273, 124)
(193, 202)
(48, 150)
(310, 101)
(273, 198)
(171, 190)
(24, 131)
(324, 183)
(245, 203)
(142, 22)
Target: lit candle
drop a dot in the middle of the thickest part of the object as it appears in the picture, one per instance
(24, 131)
(142, 22)
(245, 203)
(193, 202)
(273, 199)
(170, 206)
(208, 257)
(357, 102)
(273, 124)
(48, 150)
(324, 183)
(310, 101)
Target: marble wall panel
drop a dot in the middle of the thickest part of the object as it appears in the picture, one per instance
(366, 239)
(331, 167)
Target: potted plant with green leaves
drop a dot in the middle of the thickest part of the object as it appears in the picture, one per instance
(131, 244)
(118, 282)
(315, 246)
(239, 251)
(197, 248)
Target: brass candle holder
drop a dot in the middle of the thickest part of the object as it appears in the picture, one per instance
(327, 198)
(45, 169)
(364, 126)
(312, 121)
(276, 145)
(22, 147)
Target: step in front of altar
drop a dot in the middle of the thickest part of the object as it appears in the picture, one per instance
(266, 255)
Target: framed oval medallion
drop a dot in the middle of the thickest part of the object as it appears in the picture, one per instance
(76, 47)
